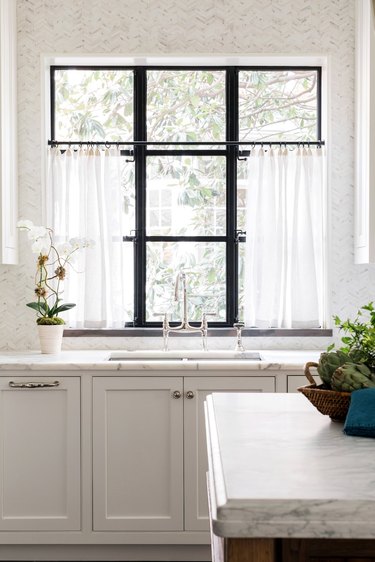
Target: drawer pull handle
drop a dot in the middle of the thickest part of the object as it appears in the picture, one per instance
(13, 384)
(176, 394)
(190, 394)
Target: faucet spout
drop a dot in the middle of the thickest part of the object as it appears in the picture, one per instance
(185, 326)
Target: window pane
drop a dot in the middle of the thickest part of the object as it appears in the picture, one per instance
(278, 105)
(204, 265)
(185, 105)
(93, 105)
(128, 282)
(242, 182)
(241, 280)
(128, 186)
(186, 195)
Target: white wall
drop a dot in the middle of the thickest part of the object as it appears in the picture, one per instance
(193, 27)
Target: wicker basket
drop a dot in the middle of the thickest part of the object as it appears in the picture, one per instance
(329, 402)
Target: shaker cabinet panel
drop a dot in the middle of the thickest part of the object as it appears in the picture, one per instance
(137, 453)
(40, 453)
(196, 463)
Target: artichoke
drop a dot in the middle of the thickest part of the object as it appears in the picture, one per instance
(329, 362)
(352, 376)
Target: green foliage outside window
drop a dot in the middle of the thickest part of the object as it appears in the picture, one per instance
(187, 105)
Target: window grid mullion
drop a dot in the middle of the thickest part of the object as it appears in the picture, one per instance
(140, 133)
(231, 196)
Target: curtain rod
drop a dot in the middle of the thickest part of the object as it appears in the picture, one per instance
(186, 143)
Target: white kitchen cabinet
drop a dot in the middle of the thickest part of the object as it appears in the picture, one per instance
(139, 478)
(149, 450)
(196, 465)
(295, 381)
(40, 453)
(138, 453)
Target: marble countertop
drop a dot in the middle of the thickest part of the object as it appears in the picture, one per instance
(278, 468)
(153, 361)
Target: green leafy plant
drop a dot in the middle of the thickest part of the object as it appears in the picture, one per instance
(352, 366)
(52, 262)
(359, 335)
(97, 105)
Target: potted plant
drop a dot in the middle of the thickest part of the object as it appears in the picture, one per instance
(51, 266)
(348, 368)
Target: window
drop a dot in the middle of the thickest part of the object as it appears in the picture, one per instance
(185, 135)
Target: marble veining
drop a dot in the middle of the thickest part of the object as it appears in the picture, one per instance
(98, 360)
(278, 468)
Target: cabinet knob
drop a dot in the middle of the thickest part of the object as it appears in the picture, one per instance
(176, 394)
(190, 394)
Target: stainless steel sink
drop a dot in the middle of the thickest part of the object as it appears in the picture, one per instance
(184, 355)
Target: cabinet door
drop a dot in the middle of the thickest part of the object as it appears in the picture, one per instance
(40, 453)
(196, 463)
(295, 381)
(138, 453)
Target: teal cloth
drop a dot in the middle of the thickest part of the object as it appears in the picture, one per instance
(361, 415)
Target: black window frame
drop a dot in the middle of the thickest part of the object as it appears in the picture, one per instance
(231, 150)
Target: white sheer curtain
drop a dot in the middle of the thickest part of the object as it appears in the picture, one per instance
(86, 201)
(284, 240)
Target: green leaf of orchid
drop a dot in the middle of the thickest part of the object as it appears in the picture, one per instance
(64, 307)
(40, 307)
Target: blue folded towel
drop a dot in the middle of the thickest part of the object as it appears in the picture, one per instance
(361, 415)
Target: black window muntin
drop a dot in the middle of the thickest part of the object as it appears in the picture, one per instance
(231, 150)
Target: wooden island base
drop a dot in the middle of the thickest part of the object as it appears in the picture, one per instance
(292, 550)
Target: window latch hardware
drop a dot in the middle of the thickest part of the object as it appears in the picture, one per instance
(239, 236)
(131, 237)
(242, 155)
(131, 159)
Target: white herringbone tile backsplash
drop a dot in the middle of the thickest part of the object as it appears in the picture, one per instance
(196, 27)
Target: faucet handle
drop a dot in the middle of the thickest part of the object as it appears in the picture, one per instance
(239, 344)
(204, 317)
(166, 328)
(165, 318)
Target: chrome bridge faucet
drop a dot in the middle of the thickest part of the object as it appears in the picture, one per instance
(185, 327)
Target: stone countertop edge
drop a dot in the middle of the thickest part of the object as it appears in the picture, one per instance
(97, 360)
(279, 469)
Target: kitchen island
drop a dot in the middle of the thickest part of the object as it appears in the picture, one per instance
(285, 483)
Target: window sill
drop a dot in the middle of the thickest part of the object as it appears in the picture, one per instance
(213, 332)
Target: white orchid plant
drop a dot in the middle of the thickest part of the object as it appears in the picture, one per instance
(52, 262)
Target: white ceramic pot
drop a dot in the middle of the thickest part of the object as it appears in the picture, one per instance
(51, 338)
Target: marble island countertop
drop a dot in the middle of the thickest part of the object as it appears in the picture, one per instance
(153, 360)
(278, 468)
